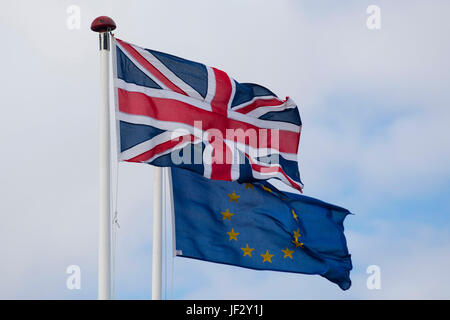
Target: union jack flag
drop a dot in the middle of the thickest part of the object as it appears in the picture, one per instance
(168, 108)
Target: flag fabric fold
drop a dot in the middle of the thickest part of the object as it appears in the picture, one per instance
(256, 226)
(178, 113)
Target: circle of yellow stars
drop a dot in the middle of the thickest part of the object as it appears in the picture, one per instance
(247, 250)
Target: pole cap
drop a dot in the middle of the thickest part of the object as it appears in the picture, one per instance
(103, 24)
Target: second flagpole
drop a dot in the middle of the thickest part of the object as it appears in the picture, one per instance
(157, 233)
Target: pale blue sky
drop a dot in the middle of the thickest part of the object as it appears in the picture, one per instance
(375, 111)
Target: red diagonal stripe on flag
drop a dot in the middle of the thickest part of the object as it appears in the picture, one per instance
(160, 148)
(260, 103)
(149, 67)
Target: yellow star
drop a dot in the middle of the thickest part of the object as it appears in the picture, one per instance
(266, 189)
(233, 197)
(233, 234)
(297, 234)
(287, 252)
(267, 256)
(227, 215)
(298, 244)
(247, 250)
(248, 185)
(294, 215)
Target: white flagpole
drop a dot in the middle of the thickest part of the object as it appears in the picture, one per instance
(157, 234)
(103, 25)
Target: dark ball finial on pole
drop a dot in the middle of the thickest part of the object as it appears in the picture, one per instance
(103, 24)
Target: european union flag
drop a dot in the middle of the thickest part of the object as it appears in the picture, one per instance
(256, 226)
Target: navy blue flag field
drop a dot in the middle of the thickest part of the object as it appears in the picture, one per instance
(256, 226)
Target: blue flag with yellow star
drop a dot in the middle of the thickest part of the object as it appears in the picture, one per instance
(256, 226)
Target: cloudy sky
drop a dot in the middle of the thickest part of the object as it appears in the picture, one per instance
(375, 111)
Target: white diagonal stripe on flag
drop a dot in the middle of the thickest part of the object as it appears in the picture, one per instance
(167, 73)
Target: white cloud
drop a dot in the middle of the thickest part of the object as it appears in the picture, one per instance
(413, 263)
(396, 79)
